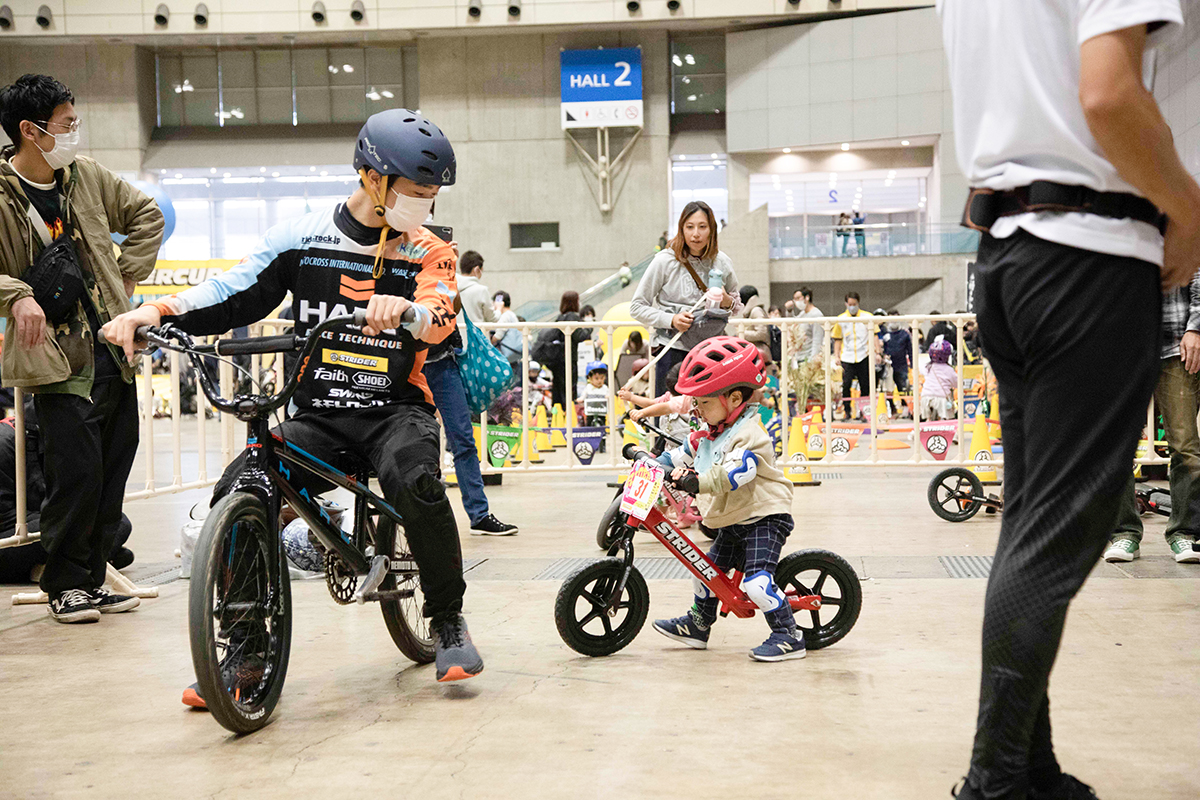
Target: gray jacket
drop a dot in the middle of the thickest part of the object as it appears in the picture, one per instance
(667, 289)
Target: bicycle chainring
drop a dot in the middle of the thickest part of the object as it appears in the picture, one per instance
(340, 580)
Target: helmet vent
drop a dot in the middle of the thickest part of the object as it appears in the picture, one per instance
(429, 155)
(427, 133)
(426, 171)
(411, 119)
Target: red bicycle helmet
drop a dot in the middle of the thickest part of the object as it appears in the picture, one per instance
(718, 364)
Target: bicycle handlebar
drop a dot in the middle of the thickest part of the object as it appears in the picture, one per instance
(171, 338)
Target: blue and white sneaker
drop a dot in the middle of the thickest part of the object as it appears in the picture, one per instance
(684, 629)
(780, 647)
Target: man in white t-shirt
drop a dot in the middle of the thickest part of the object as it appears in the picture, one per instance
(1071, 163)
(851, 345)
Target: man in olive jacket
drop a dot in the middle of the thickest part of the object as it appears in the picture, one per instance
(84, 392)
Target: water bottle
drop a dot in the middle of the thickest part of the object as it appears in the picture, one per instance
(716, 278)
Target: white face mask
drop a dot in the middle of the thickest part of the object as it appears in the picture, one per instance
(65, 147)
(408, 213)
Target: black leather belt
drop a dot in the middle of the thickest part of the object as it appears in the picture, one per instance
(985, 206)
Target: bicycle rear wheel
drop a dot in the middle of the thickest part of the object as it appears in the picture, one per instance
(240, 614)
(404, 611)
(820, 572)
(951, 494)
(611, 524)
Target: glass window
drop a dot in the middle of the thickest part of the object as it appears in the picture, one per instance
(170, 91)
(237, 69)
(698, 75)
(346, 66)
(533, 235)
(199, 89)
(245, 223)
(311, 67)
(190, 241)
(385, 79)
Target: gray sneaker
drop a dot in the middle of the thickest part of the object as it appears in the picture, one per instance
(457, 658)
(1181, 548)
(1122, 548)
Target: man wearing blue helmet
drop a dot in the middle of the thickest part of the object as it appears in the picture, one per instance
(367, 394)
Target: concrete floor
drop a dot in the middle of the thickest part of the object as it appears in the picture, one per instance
(93, 711)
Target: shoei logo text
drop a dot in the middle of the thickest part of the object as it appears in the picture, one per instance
(354, 360)
(689, 553)
(365, 380)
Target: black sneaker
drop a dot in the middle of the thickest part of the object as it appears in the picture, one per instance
(490, 526)
(73, 605)
(106, 602)
(1069, 788)
(457, 658)
(122, 558)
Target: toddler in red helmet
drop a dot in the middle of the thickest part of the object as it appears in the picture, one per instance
(733, 461)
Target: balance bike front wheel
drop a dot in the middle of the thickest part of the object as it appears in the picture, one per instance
(581, 610)
(953, 492)
(829, 576)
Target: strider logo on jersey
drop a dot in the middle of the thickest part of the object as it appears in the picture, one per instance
(354, 360)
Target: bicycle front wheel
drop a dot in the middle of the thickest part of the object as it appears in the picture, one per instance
(240, 614)
(404, 605)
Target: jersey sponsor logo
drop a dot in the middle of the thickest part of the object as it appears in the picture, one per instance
(354, 360)
(366, 380)
(319, 312)
(332, 375)
(321, 239)
(356, 290)
(348, 394)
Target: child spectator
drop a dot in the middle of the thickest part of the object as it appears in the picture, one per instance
(539, 387)
(595, 396)
(750, 513)
(675, 407)
(941, 381)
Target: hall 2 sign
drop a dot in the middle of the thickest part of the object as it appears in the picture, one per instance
(602, 88)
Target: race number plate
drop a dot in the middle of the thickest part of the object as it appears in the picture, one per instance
(642, 488)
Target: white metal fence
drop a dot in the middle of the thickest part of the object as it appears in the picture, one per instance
(792, 333)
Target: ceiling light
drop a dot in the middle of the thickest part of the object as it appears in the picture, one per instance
(262, 169)
(677, 61)
(683, 158)
(691, 98)
(845, 145)
(312, 169)
(227, 175)
(213, 170)
(324, 173)
(347, 68)
(386, 93)
(787, 149)
(162, 172)
(178, 174)
(904, 142)
(274, 174)
(333, 69)
(922, 199)
(716, 155)
(690, 59)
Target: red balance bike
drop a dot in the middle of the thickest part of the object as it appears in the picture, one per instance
(603, 605)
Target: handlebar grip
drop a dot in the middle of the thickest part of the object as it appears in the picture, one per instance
(360, 316)
(632, 452)
(260, 344)
(140, 333)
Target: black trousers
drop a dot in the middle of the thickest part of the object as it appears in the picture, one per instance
(401, 443)
(661, 368)
(1073, 339)
(850, 371)
(87, 450)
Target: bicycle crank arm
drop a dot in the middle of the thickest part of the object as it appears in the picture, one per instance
(391, 594)
(379, 571)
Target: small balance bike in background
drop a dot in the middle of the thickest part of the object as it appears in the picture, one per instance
(603, 605)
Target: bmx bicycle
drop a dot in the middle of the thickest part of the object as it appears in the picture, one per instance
(603, 605)
(240, 600)
(676, 505)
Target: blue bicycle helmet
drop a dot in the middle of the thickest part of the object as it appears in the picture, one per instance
(595, 366)
(402, 142)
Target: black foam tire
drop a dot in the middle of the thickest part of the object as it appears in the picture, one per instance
(820, 628)
(404, 616)
(955, 479)
(594, 583)
(212, 574)
(611, 524)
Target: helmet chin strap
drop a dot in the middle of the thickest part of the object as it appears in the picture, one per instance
(731, 416)
(379, 197)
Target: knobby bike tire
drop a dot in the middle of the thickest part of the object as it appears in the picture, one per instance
(958, 475)
(595, 582)
(241, 679)
(818, 632)
(404, 616)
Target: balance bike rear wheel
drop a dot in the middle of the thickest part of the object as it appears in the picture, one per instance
(809, 572)
(403, 613)
(580, 610)
(946, 490)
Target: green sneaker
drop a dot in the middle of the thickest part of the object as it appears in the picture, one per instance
(1181, 548)
(1122, 548)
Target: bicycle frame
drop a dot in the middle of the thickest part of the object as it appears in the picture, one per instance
(726, 588)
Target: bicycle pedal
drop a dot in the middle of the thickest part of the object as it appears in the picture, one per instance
(379, 570)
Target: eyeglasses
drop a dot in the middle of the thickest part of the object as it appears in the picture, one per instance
(72, 128)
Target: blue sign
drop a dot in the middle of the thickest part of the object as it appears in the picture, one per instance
(602, 88)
